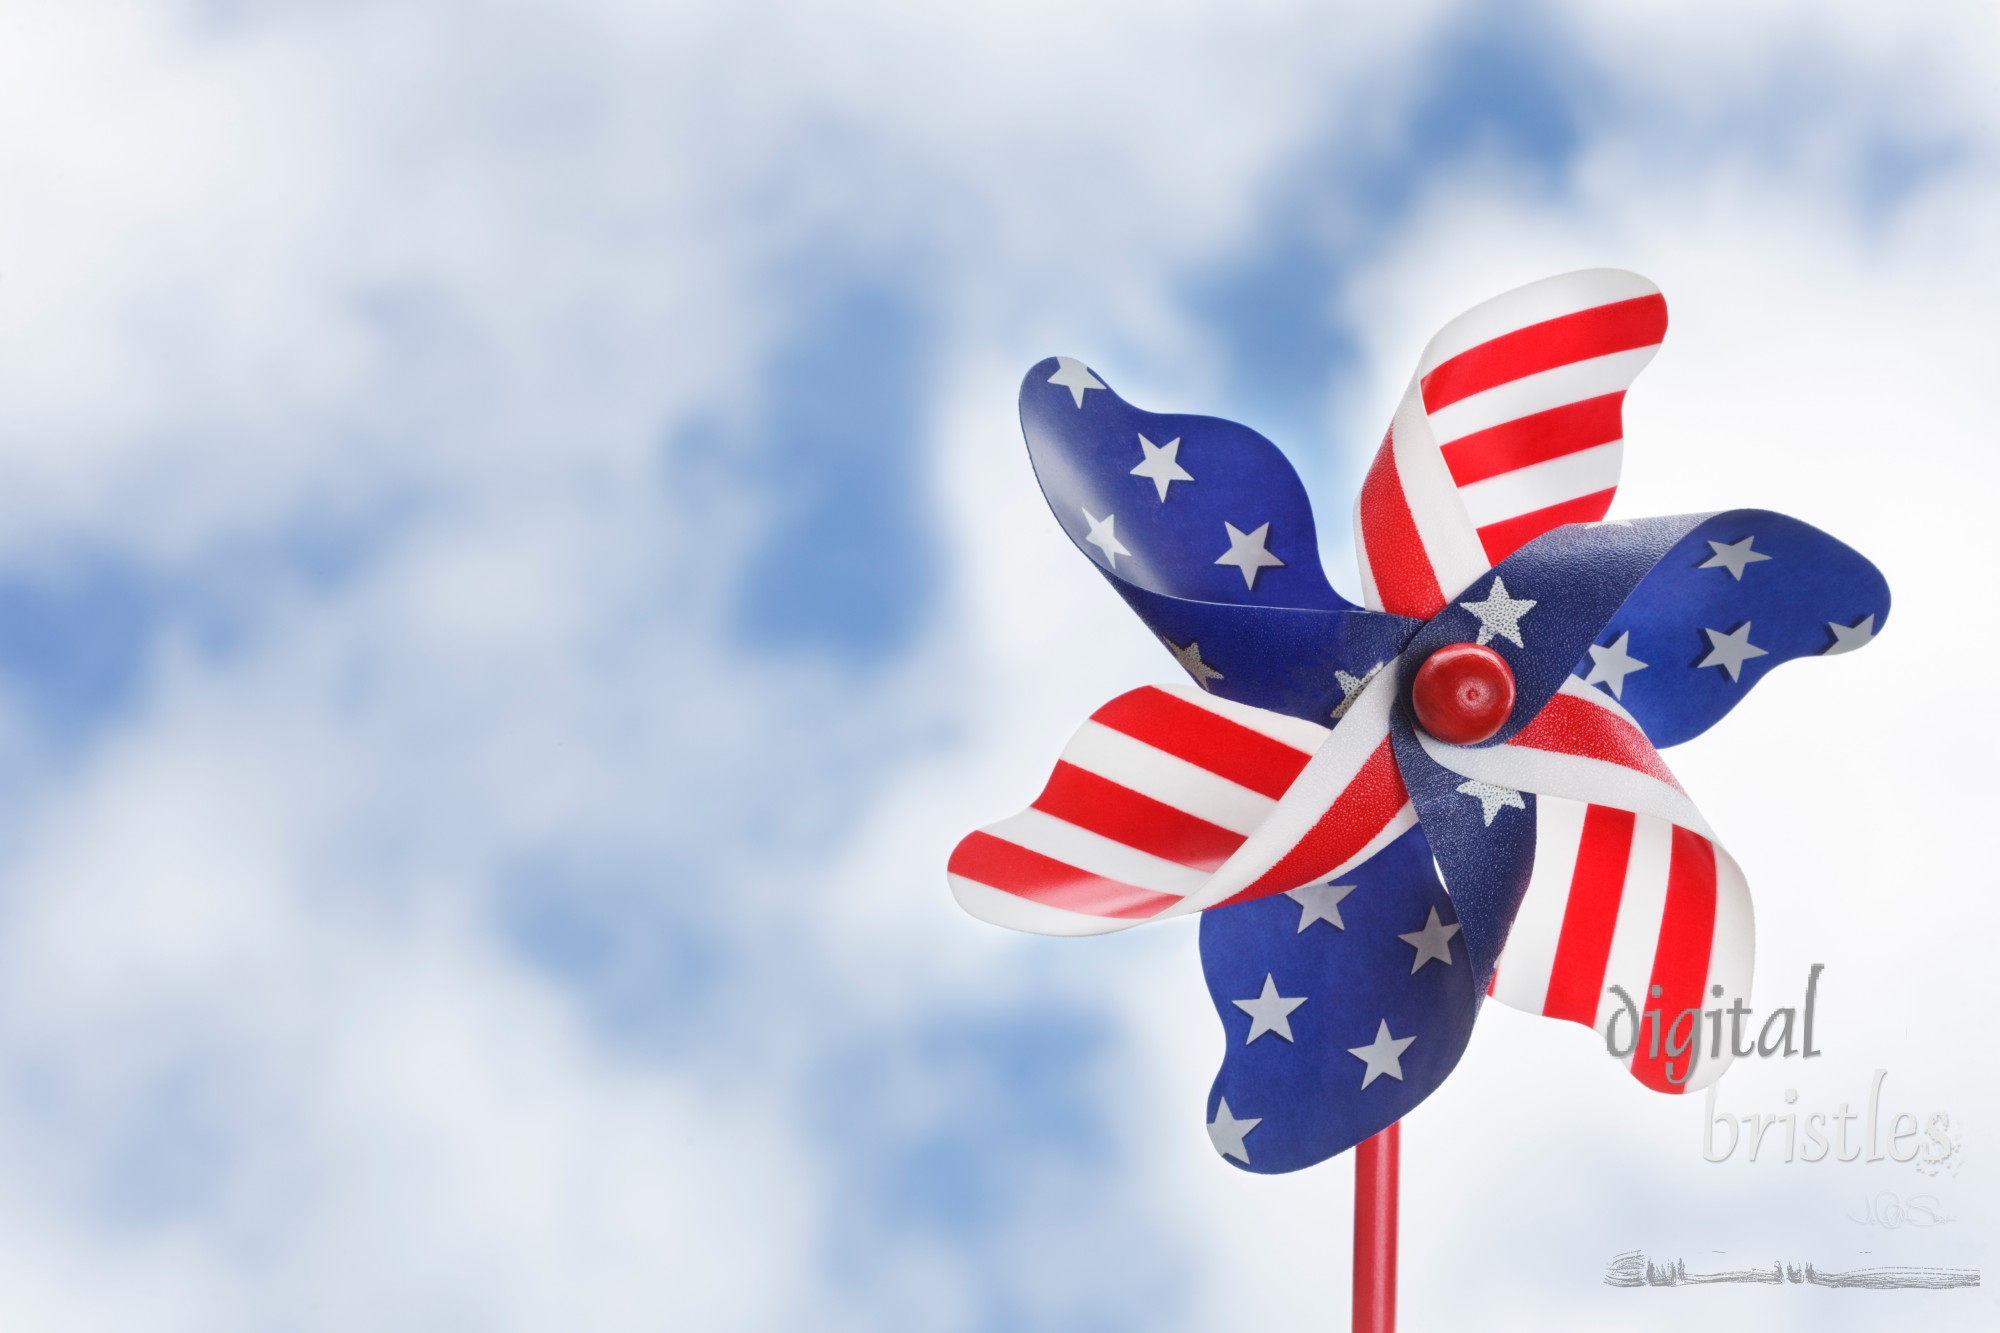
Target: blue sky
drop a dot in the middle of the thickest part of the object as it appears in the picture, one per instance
(516, 562)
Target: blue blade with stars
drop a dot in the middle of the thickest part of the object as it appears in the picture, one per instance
(1343, 1005)
(1675, 617)
(1204, 529)
(1744, 591)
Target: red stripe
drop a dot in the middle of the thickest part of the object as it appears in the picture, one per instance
(999, 864)
(1397, 561)
(1596, 886)
(1207, 740)
(1126, 816)
(1599, 331)
(1680, 963)
(1535, 438)
(1573, 726)
(1373, 797)
(1509, 535)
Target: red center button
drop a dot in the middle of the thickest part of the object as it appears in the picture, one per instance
(1463, 693)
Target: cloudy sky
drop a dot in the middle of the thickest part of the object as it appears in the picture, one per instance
(517, 563)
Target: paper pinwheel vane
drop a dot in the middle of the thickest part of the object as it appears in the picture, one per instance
(1387, 813)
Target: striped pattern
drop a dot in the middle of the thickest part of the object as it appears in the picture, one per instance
(1512, 426)
(1169, 800)
(1629, 887)
(1632, 900)
(1582, 746)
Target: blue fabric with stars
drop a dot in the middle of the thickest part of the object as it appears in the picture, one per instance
(1286, 659)
(1576, 577)
(1274, 635)
(1801, 593)
(1205, 530)
(1485, 847)
(1173, 516)
(1355, 977)
(1669, 589)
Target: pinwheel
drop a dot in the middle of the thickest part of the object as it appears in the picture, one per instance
(1388, 812)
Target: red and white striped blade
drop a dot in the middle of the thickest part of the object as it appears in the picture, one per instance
(1169, 800)
(1511, 426)
(1629, 889)
(1636, 902)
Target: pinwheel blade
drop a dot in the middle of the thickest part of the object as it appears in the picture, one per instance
(1169, 801)
(1618, 908)
(1343, 1005)
(1202, 527)
(1189, 506)
(1512, 426)
(1151, 797)
(1647, 613)
(1742, 592)
(1635, 927)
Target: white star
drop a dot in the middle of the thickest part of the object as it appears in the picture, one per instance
(1500, 615)
(1846, 638)
(1351, 687)
(1162, 465)
(1730, 651)
(1320, 902)
(1433, 941)
(1190, 660)
(1103, 538)
(1733, 556)
(1384, 1055)
(1610, 523)
(1492, 799)
(1269, 1012)
(1226, 1132)
(1075, 376)
(1246, 552)
(1610, 666)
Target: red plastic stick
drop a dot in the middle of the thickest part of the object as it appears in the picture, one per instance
(1375, 1171)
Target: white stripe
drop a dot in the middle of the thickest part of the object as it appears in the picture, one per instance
(1536, 303)
(1348, 746)
(1297, 733)
(1731, 955)
(1574, 687)
(1548, 773)
(1528, 960)
(1591, 378)
(1399, 823)
(1539, 485)
(1636, 936)
(1133, 764)
(1017, 913)
(1454, 550)
(1095, 854)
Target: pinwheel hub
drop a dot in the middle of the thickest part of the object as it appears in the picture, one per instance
(1463, 693)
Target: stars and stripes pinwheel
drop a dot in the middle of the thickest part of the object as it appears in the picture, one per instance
(1387, 813)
